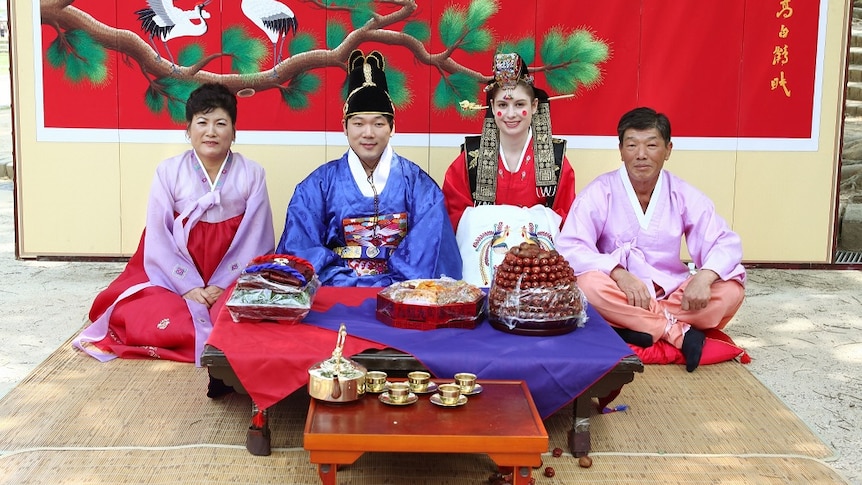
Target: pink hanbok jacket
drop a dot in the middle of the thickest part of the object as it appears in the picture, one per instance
(180, 187)
(604, 230)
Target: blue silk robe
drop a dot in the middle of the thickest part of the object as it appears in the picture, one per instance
(314, 226)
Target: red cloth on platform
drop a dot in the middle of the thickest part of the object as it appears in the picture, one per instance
(324, 300)
(134, 331)
(272, 359)
(257, 351)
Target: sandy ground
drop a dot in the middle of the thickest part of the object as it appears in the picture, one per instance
(803, 329)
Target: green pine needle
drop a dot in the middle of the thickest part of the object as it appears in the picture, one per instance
(398, 90)
(75, 69)
(177, 110)
(295, 100)
(247, 53)
(361, 12)
(154, 101)
(419, 30)
(86, 61)
(574, 57)
(553, 48)
(177, 93)
(56, 54)
(563, 80)
(465, 85)
(98, 74)
(452, 26)
(344, 88)
(295, 95)
(301, 43)
(526, 48)
(190, 55)
(476, 41)
(454, 89)
(335, 34)
(443, 94)
(85, 44)
(588, 49)
(478, 13)
(309, 82)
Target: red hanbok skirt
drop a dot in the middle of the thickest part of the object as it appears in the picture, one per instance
(155, 322)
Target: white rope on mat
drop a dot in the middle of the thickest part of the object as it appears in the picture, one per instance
(824, 461)
(6, 453)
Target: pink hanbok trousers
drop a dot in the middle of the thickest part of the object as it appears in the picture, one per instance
(665, 319)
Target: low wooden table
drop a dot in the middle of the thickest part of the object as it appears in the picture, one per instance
(397, 363)
(501, 422)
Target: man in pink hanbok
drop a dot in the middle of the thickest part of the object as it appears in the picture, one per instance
(623, 238)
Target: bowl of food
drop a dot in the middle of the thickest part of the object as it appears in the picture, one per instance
(274, 287)
(427, 304)
(535, 292)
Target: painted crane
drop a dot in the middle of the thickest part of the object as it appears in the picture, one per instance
(275, 19)
(165, 21)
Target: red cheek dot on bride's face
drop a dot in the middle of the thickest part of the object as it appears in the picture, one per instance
(499, 114)
(524, 113)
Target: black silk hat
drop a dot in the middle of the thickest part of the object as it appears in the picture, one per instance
(366, 85)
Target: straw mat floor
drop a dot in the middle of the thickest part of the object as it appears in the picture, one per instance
(76, 421)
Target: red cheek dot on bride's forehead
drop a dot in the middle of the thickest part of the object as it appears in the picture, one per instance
(499, 114)
(524, 113)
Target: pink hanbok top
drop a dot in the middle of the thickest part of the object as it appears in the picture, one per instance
(606, 228)
(183, 207)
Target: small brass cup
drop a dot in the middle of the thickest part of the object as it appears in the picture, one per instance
(399, 391)
(375, 380)
(419, 381)
(466, 381)
(450, 393)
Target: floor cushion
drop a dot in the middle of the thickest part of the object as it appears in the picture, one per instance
(718, 347)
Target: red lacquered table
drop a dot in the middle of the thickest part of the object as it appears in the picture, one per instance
(501, 422)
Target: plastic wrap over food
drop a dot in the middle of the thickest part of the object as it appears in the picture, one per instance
(539, 305)
(425, 304)
(273, 287)
(442, 291)
(535, 291)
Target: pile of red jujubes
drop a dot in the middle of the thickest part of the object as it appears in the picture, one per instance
(530, 266)
(534, 284)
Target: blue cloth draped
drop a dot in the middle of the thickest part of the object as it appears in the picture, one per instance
(313, 224)
(557, 369)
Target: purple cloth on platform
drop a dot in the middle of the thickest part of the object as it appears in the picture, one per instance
(557, 369)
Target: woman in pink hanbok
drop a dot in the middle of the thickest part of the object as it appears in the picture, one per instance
(208, 215)
(623, 238)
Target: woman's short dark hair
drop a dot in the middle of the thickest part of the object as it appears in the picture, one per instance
(644, 119)
(208, 97)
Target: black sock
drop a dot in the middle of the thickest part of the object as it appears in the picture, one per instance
(217, 388)
(634, 337)
(692, 348)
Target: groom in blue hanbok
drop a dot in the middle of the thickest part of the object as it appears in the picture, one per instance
(372, 217)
